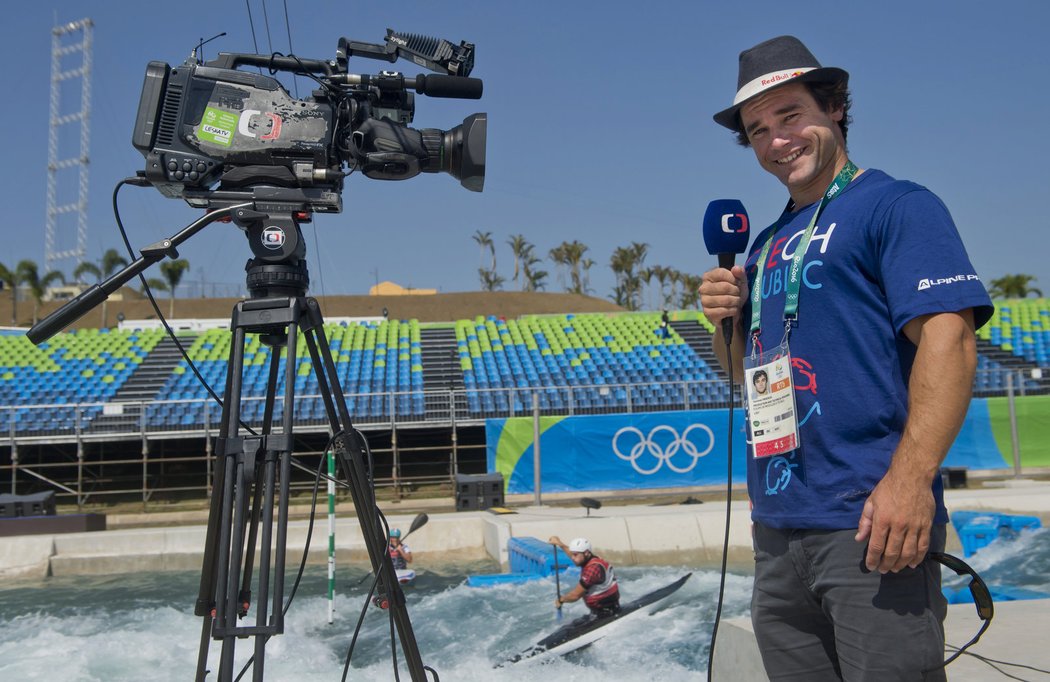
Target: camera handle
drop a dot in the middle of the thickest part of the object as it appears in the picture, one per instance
(93, 296)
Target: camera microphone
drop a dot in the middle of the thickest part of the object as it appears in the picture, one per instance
(457, 87)
(726, 233)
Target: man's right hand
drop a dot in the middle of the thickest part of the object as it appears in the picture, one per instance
(722, 296)
(723, 293)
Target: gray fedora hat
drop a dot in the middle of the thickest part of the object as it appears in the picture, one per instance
(771, 64)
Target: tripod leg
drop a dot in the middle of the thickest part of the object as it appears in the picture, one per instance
(205, 604)
(235, 494)
(277, 468)
(351, 457)
(270, 478)
(232, 549)
(262, 615)
(267, 426)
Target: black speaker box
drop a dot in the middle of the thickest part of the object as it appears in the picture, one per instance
(478, 491)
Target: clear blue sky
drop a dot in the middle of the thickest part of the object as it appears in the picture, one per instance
(600, 126)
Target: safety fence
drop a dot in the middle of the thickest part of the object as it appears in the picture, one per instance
(168, 446)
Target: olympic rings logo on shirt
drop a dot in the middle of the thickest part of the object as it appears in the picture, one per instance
(662, 448)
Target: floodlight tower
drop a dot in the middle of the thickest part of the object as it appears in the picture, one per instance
(60, 47)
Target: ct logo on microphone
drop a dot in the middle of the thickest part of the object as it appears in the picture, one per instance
(648, 453)
(734, 222)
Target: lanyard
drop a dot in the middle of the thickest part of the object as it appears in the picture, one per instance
(794, 280)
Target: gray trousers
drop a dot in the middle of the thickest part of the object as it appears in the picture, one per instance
(819, 614)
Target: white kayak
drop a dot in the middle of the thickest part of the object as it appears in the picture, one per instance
(586, 630)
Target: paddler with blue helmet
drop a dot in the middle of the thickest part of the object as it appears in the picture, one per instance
(400, 554)
(597, 586)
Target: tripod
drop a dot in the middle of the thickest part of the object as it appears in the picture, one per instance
(257, 467)
(252, 471)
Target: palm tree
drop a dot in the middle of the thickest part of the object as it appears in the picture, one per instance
(570, 255)
(623, 262)
(1013, 286)
(9, 279)
(646, 275)
(662, 274)
(561, 259)
(107, 266)
(29, 274)
(520, 247)
(534, 279)
(155, 284)
(674, 279)
(484, 240)
(86, 268)
(585, 274)
(111, 262)
(490, 281)
(172, 271)
(619, 295)
(690, 296)
(489, 278)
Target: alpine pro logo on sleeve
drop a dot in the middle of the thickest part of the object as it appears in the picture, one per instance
(928, 283)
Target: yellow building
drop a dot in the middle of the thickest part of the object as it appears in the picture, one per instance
(393, 289)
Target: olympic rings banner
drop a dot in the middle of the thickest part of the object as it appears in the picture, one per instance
(616, 452)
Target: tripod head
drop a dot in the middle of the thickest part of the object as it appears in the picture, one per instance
(278, 268)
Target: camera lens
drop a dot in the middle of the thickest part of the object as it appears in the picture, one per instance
(460, 152)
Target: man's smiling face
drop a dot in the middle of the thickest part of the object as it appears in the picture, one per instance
(795, 140)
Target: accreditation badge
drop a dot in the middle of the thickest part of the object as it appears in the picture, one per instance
(770, 400)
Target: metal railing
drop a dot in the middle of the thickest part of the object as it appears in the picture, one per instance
(147, 420)
(75, 429)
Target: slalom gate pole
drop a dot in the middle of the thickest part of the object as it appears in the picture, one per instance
(331, 537)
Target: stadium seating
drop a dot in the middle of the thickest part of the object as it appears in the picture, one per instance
(379, 367)
(86, 367)
(596, 361)
(1021, 327)
(587, 363)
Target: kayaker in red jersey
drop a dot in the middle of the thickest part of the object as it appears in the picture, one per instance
(597, 586)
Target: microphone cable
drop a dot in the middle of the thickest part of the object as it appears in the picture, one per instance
(729, 505)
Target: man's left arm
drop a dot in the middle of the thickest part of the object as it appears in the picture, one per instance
(898, 514)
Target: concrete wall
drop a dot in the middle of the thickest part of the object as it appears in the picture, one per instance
(631, 534)
(689, 534)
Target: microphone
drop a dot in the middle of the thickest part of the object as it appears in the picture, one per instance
(458, 87)
(726, 233)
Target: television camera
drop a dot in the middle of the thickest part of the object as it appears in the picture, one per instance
(235, 143)
(209, 131)
(220, 137)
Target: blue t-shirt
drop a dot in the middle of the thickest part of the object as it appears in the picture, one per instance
(883, 252)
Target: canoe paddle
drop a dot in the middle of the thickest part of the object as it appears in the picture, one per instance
(557, 580)
(417, 523)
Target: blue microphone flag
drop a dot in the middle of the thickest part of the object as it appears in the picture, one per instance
(726, 227)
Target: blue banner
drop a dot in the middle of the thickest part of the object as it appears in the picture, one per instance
(661, 449)
(616, 452)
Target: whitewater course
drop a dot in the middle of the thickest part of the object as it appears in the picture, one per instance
(118, 604)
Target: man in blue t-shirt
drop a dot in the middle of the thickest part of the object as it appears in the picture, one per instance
(862, 296)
